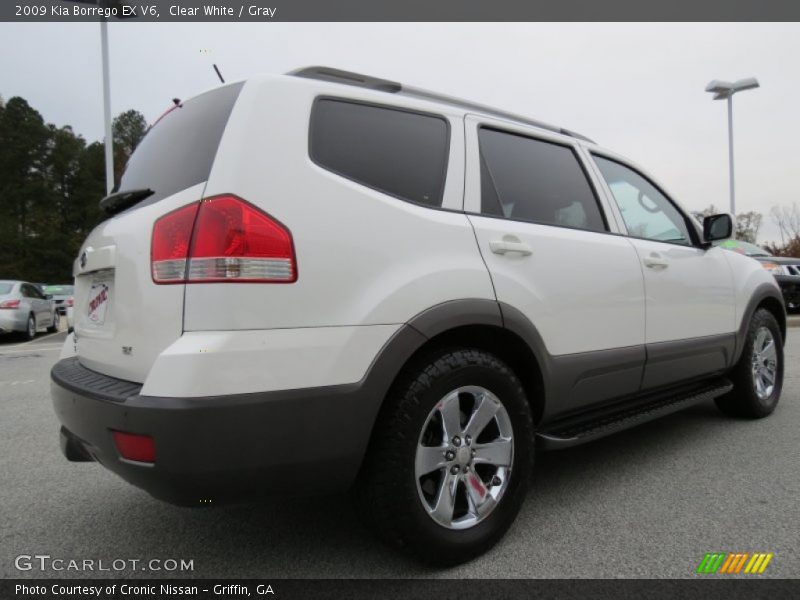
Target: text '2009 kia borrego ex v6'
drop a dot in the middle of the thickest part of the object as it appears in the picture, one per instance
(326, 280)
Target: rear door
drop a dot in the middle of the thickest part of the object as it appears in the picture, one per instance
(690, 297)
(123, 320)
(552, 254)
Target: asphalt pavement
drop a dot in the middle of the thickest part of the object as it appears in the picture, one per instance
(648, 502)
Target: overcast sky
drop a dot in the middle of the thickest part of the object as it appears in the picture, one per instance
(634, 88)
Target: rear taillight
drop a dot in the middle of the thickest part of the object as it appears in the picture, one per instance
(222, 239)
(169, 248)
(9, 304)
(135, 447)
(70, 301)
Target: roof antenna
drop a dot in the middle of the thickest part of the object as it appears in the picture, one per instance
(219, 74)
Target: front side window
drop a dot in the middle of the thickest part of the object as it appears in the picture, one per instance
(398, 152)
(647, 212)
(527, 179)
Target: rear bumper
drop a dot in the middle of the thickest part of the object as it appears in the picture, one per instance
(221, 447)
(13, 320)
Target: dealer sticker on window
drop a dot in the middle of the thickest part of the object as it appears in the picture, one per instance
(98, 302)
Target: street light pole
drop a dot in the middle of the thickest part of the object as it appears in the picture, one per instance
(730, 154)
(109, 141)
(724, 90)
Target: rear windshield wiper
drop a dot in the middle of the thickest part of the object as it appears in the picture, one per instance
(119, 201)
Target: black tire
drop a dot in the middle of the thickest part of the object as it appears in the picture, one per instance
(387, 494)
(30, 332)
(743, 400)
(54, 327)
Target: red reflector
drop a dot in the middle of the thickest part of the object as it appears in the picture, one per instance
(230, 240)
(10, 304)
(70, 301)
(131, 446)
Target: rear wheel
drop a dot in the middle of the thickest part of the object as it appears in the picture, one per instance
(30, 328)
(56, 320)
(758, 376)
(450, 459)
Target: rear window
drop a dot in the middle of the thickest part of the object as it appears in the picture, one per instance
(178, 150)
(398, 152)
(5, 288)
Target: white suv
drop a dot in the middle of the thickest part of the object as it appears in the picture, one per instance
(325, 279)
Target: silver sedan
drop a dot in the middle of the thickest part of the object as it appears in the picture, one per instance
(25, 309)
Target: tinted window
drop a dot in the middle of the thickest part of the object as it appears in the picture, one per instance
(179, 149)
(533, 180)
(646, 211)
(397, 152)
(5, 288)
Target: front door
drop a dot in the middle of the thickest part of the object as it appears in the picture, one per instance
(690, 303)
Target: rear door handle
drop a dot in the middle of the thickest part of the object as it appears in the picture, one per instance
(652, 262)
(505, 246)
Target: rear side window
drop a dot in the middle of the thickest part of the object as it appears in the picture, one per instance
(5, 288)
(178, 150)
(397, 152)
(532, 180)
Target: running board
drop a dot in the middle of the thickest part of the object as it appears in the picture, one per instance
(576, 433)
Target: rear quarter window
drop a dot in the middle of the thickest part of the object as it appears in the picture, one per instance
(395, 151)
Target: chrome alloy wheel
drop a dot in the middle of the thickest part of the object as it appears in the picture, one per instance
(464, 457)
(764, 363)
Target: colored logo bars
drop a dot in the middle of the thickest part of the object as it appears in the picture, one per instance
(734, 562)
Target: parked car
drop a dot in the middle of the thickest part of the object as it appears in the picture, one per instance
(785, 269)
(325, 280)
(787, 273)
(25, 309)
(62, 295)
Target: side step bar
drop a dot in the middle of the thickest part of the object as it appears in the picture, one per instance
(576, 433)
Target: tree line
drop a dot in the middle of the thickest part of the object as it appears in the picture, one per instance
(51, 181)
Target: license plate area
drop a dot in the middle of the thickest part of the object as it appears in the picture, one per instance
(99, 299)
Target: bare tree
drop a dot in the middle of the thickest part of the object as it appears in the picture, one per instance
(706, 212)
(787, 218)
(747, 226)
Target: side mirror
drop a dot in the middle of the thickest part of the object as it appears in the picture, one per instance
(717, 227)
(48, 296)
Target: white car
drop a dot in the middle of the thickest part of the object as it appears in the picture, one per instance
(325, 279)
(26, 310)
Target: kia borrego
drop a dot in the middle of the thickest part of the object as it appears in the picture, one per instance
(326, 280)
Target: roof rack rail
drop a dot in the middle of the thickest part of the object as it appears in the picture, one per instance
(348, 78)
(393, 87)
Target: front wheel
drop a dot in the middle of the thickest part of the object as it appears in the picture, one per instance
(758, 376)
(447, 470)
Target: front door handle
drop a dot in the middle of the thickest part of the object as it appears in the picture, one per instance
(654, 262)
(505, 246)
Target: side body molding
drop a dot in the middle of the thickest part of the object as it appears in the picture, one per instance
(571, 382)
